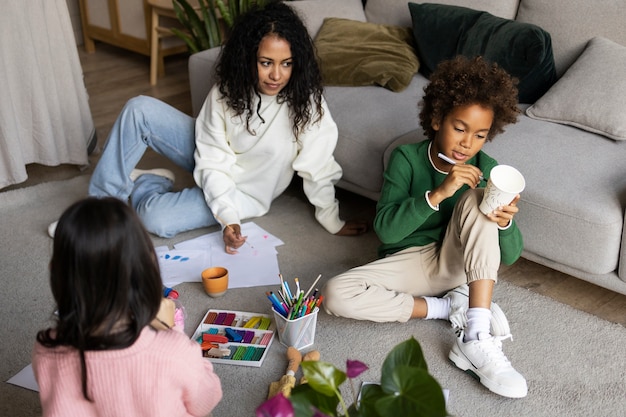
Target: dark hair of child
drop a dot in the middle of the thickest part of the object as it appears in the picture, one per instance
(104, 277)
(463, 81)
(237, 67)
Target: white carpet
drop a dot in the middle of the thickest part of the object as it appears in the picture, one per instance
(574, 362)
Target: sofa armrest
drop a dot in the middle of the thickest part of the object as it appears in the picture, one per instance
(202, 76)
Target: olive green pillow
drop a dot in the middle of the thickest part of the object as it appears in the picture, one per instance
(522, 49)
(354, 53)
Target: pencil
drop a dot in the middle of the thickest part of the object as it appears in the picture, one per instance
(313, 285)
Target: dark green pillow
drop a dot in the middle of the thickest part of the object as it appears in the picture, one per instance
(354, 53)
(524, 50)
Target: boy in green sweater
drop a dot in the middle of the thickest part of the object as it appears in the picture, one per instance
(434, 237)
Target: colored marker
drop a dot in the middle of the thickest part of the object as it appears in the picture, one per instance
(319, 301)
(299, 303)
(282, 297)
(277, 306)
(453, 162)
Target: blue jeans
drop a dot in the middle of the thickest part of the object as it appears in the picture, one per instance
(147, 122)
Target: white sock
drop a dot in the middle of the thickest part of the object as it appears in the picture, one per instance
(478, 321)
(438, 308)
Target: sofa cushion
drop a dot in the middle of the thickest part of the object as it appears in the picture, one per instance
(313, 12)
(591, 94)
(368, 119)
(570, 211)
(354, 53)
(572, 23)
(395, 12)
(524, 50)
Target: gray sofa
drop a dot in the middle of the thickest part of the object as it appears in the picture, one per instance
(572, 212)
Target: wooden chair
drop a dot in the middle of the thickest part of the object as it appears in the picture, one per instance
(160, 9)
(137, 25)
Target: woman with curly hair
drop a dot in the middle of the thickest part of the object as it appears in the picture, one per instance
(263, 120)
(435, 240)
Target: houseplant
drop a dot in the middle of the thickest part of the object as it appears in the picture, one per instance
(209, 26)
(406, 389)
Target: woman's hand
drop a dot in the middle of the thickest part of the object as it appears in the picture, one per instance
(353, 228)
(504, 215)
(233, 239)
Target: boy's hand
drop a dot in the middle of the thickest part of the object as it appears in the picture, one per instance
(233, 238)
(458, 176)
(504, 215)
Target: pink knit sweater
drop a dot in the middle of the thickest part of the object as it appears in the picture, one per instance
(161, 374)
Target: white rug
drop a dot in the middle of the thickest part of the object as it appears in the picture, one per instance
(573, 361)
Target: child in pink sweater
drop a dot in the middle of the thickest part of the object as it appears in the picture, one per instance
(103, 357)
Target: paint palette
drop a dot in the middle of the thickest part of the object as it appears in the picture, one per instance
(235, 337)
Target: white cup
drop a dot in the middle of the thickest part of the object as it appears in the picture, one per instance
(504, 183)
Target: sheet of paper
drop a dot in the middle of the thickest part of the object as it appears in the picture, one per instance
(182, 265)
(248, 268)
(258, 236)
(255, 264)
(25, 379)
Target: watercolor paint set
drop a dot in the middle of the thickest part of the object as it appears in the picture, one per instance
(235, 337)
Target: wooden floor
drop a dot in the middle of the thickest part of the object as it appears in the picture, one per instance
(113, 75)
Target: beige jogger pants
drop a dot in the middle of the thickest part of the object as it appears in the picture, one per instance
(383, 290)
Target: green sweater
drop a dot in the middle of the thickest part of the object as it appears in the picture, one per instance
(405, 219)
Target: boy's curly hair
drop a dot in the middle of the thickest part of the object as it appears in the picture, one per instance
(237, 73)
(462, 81)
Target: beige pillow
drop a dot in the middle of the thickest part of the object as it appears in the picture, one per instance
(353, 53)
(591, 95)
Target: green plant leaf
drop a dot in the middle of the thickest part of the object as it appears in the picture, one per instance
(414, 392)
(202, 30)
(323, 377)
(196, 24)
(208, 27)
(370, 393)
(227, 12)
(305, 399)
(407, 353)
(211, 24)
(191, 43)
(180, 13)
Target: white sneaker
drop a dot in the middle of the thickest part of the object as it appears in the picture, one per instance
(52, 228)
(161, 172)
(459, 303)
(484, 359)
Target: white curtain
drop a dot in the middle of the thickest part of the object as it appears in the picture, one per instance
(44, 110)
